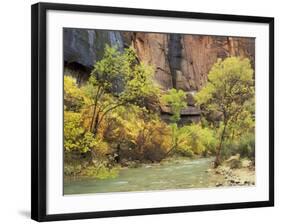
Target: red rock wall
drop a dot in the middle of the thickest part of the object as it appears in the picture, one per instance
(180, 61)
(194, 56)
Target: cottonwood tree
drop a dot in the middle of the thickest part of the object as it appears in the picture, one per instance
(117, 80)
(229, 89)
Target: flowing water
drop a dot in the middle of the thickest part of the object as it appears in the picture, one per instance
(175, 174)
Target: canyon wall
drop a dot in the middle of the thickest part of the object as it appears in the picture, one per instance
(183, 61)
(180, 61)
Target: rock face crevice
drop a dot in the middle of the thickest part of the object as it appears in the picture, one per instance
(175, 57)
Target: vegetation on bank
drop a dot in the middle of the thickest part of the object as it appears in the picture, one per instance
(113, 120)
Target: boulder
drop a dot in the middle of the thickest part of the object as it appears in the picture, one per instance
(234, 162)
(246, 163)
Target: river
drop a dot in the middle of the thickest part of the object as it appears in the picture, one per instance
(174, 174)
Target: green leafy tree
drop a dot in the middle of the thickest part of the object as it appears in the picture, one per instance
(230, 87)
(176, 100)
(117, 80)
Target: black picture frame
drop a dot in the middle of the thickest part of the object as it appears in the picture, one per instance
(39, 123)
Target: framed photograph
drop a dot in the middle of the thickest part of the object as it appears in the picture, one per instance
(139, 111)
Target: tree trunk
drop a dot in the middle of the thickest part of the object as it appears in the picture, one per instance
(218, 155)
(95, 109)
(170, 150)
(96, 126)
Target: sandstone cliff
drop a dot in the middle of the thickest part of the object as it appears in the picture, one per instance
(183, 61)
(180, 60)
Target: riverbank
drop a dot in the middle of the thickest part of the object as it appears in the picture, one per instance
(240, 176)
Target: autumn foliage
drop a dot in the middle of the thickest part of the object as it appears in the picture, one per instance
(114, 119)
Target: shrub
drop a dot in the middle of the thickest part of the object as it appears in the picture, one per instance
(245, 146)
(185, 152)
(72, 169)
(194, 139)
(73, 96)
(101, 171)
(75, 136)
(137, 135)
(151, 140)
